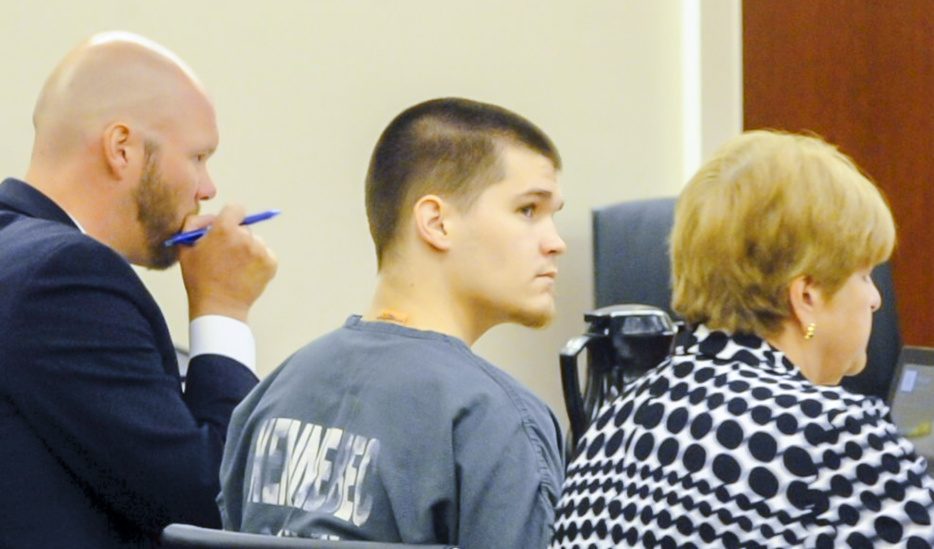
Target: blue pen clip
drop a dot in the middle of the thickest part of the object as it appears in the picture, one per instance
(190, 237)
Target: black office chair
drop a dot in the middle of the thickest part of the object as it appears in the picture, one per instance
(185, 536)
(630, 253)
(631, 265)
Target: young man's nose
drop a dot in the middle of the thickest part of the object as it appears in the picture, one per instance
(553, 243)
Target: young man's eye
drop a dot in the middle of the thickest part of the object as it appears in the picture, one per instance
(527, 211)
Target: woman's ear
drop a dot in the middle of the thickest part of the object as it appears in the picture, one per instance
(806, 301)
(430, 218)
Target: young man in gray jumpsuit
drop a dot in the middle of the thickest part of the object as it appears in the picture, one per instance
(390, 428)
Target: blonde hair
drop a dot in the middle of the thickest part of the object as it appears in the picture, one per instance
(767, 208)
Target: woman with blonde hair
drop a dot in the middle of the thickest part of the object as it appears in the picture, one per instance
(743, 437)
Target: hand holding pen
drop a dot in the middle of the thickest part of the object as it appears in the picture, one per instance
(229, 268)
(190, 237)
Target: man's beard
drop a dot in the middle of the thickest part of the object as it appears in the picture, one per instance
(157, 211)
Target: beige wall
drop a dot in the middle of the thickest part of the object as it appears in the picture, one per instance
(303, 88)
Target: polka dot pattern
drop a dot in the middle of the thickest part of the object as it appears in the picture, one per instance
(728, 445)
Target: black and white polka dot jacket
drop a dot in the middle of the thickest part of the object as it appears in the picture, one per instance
(728, 445)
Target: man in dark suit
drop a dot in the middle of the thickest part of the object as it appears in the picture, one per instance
(100, 446)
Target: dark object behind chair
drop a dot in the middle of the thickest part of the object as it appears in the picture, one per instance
(631, 265)
(183, 536)
(622, 342)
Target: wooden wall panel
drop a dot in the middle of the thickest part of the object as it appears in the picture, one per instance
(861, 74)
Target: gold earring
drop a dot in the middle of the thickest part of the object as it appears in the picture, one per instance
(809, 332)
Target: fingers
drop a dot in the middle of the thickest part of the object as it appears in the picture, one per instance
(261, 245)
(195, 222)
(231, 215)
(228, 269)
(227, 230)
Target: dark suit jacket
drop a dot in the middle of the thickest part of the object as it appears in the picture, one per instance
(98, 445)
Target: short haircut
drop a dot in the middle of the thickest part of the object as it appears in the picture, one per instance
(450, 147)
(768, 207)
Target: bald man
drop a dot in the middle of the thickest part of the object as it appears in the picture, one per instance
(100, 446)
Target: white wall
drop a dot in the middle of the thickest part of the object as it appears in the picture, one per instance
(303, 88)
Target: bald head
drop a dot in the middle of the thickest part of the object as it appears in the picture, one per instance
(123, 133)
(111, 77)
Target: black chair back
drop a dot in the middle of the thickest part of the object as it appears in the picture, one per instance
(630, 253)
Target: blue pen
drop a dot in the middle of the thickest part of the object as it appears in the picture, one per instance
(191, 237)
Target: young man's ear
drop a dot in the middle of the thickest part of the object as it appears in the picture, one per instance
(120, 149)
(806, 301)
(430, 217)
